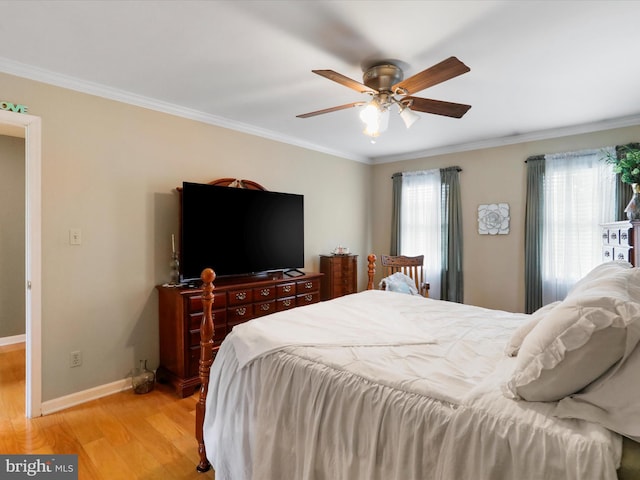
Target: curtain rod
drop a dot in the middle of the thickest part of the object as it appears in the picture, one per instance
(400, 173)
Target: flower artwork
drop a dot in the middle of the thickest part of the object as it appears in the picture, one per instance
(493, 219)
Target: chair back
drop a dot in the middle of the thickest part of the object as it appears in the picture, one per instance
(410, 266)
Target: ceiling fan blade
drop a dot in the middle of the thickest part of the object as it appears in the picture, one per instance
(427, 105)
(346, 81)
(329, 110)
(445, 70)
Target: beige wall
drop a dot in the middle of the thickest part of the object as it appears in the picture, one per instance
(493, 264)
(12, 228)
(110, 169)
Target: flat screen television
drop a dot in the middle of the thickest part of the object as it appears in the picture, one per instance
(239, 231)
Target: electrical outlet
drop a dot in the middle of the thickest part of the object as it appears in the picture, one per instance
(75, 359)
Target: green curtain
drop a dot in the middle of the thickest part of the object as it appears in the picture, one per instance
(533, 233)
(452, 277)
(395, 213)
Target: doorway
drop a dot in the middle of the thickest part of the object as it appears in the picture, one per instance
(29, 128)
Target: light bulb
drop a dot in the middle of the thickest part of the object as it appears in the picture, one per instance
(409, 117)
(375, 118)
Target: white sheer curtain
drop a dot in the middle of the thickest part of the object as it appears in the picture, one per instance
(578, 195)
(420, 223)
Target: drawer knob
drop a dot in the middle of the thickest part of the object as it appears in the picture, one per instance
(286, 288)
(287, 303)
(241, 311)
(241, 295)
(308, 285)
(265, 292)
(265, 307)
(308, 298)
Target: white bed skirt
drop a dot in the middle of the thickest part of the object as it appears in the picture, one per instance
(367, 413)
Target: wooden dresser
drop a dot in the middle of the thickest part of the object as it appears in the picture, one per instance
(340, 275)
(235, 301)
(620, 242)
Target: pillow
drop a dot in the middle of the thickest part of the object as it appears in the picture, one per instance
(599, 274)
(579, 339)
(399, 282)
(612, 400)
(518, 336)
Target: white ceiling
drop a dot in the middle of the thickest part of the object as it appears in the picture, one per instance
(538, 68)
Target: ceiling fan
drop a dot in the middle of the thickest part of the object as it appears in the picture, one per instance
(384, 82)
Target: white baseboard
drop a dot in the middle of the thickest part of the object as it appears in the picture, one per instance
(68, 401)
(14, 339)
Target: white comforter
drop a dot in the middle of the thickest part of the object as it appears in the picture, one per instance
(429, 407)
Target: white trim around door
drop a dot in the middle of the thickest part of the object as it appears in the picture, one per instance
(29, 126)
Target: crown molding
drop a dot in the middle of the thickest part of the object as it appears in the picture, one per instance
(59, 80)
(630, 121)
(46, 76)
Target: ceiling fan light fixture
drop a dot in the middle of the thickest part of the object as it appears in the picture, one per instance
(375, 118)
(408, 116)
(386, 84)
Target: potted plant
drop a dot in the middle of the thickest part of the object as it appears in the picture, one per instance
(626, 162)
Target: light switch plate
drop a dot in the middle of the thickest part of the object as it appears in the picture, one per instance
(75, 236)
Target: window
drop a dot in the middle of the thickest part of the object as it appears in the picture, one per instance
(426, 219)
(579, 194)
(420, 223)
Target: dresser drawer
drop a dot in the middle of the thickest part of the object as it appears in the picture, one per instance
(239, 314)
(307, 298)
(219, 325)
(625, 237)
(285, 290)
(622, 253)
(264, 308)
(194, 303)
(307, 286)
(194, 361)
(285, 303)
(240, 297)
(264, 293)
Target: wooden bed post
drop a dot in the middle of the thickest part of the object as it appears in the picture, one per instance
(371, 270)
(206, 359)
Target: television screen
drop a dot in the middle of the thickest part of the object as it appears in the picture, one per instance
(239, 231)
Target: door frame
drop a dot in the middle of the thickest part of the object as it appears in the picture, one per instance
(29, 127)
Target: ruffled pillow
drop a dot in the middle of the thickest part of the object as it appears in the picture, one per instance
(520, 333)
(579, 339)
(598, 275)
(612, 400)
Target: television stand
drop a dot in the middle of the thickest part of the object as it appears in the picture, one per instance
(293, 272)
(235, 301)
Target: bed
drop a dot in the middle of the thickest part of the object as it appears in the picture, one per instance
(380, 385)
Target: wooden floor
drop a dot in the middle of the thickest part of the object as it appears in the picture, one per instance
(122, 436)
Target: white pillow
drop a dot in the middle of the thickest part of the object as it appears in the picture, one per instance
(612, 400)
(599, 274)
(579, 339)
(399, 282)
(519, 334)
